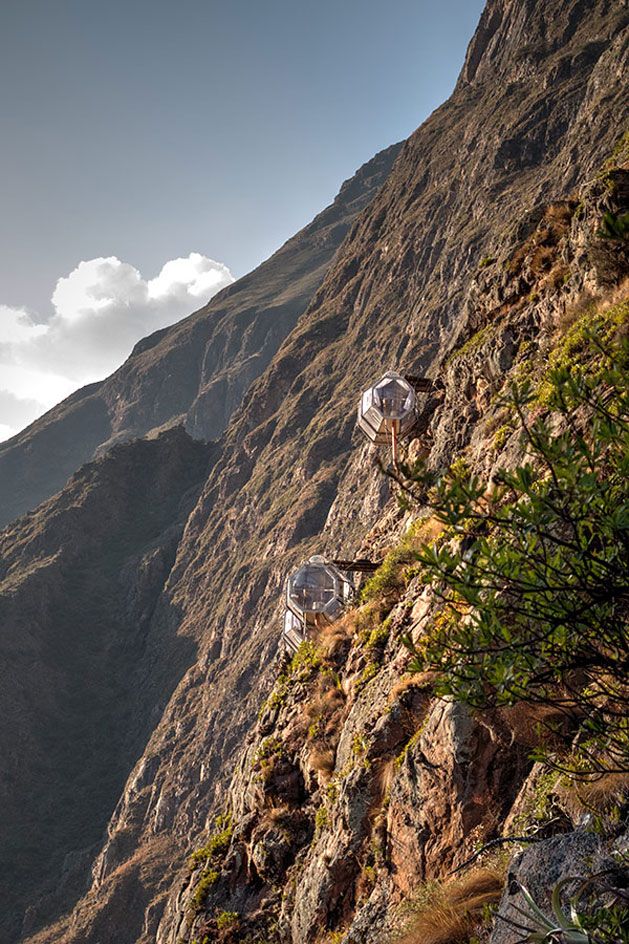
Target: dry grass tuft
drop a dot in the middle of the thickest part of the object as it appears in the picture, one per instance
(280, 816)
(571, 313)
(603, 795)
(333, 642)
(535, 726)
(322, 760)
(453, 913)
(416, 682)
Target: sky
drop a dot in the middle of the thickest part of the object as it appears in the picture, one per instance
(154, 150)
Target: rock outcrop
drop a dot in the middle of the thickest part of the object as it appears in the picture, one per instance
(482, 234)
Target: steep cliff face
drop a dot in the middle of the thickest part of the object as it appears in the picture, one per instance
(83, 671)
(538, 107)
(358, 788)
(195, 372)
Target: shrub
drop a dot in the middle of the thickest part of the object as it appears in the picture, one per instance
(615, 227)
(305, 662)
(390, 576)
(208, 878)
(596, 913)
(321, 818)
(211, 856)
(227, 920)
(535, 590)
(218, 843)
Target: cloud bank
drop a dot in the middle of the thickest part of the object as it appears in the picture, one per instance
(101, 309)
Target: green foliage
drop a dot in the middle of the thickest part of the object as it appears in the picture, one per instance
(410, 744)
(334, 937)
(377, 637)
(486, 261)
(302, 666)
(390, 576)
(227, 920)
(359, 745)
(581, 922)
(208, 878)
(607, 925)
(370, 671)
(473, 344)
(270, 751)
(539, 808)
(269, 747)
(619, 157)
(369, 873)
(321, 818)
(581, 353)
(218, 843)
(211, 856)
(374, 640)
(535, 588)
(614, 227)
(501, 435)
(305, 662)
(332, 792)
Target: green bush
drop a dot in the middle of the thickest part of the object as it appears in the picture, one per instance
(535, 585)
(615, 227)
(218, 843)
(211, 856)
(390, 576)
(208, 878)
(227, 920)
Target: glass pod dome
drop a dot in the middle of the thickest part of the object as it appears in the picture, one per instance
(387, 409)
(317, 592)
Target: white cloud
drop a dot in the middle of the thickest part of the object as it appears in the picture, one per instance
(101, 309)
(6, 432)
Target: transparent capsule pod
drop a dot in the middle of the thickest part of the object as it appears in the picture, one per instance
(386, 411)
(315, 595)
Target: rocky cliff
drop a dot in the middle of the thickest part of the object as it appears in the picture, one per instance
(480, 238)
(194, 372)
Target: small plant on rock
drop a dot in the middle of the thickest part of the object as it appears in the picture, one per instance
(585, 919)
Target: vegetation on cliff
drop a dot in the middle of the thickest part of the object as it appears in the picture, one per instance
(531, 570)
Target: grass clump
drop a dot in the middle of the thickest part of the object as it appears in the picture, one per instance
(211, 856)
(580, 354)
(474, 343)
(227, 920)
(305, 662)
(456, 912)
(392, 574)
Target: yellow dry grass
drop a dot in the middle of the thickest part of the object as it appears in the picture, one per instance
(452, 913)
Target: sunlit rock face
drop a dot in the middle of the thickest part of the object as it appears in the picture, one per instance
(537, 109)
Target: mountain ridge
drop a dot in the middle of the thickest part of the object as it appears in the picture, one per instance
(289, 477)
(194, 372)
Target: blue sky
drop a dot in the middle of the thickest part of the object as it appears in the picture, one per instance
(146, 130)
